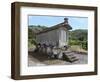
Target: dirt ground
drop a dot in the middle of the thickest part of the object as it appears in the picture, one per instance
(42, 60)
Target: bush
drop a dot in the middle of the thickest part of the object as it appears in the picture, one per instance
(74, 42)
(83, 44)
(31, 43)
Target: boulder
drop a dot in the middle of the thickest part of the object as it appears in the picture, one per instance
(60, 55)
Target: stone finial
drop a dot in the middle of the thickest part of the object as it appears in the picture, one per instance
(65, 20)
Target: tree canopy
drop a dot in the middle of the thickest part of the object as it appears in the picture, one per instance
(78, 37)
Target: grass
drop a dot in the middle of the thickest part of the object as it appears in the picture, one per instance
(77, 48)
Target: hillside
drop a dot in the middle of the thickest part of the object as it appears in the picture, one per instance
(37, 28)
(79, 34)
(79, 37)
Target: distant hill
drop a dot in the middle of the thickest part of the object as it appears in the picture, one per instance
(79, 34)
(37, 28)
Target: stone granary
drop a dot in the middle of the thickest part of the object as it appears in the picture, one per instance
(56, 35)
(53, 41)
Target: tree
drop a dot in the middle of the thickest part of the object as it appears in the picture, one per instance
(78, 37)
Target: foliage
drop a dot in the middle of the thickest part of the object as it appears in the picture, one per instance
(32, 30)
(79, 34)
(78, 37)
(84, 45)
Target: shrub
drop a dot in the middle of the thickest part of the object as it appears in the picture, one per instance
(31, 42)
(74, 42)
(83, 44)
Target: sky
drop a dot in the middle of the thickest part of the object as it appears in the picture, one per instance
(75, 22)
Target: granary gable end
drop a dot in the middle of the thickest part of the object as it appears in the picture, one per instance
(56, 35)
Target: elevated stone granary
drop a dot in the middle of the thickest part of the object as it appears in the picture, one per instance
(56, 35)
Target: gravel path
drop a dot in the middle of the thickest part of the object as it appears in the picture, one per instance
(41, 60)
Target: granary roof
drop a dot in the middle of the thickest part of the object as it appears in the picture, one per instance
(63, 24)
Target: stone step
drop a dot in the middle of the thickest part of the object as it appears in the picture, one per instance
(70, 57)
(67, 52)
(74, 60)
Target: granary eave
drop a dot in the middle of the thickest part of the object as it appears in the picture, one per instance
(61, 25)
(68, 27)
